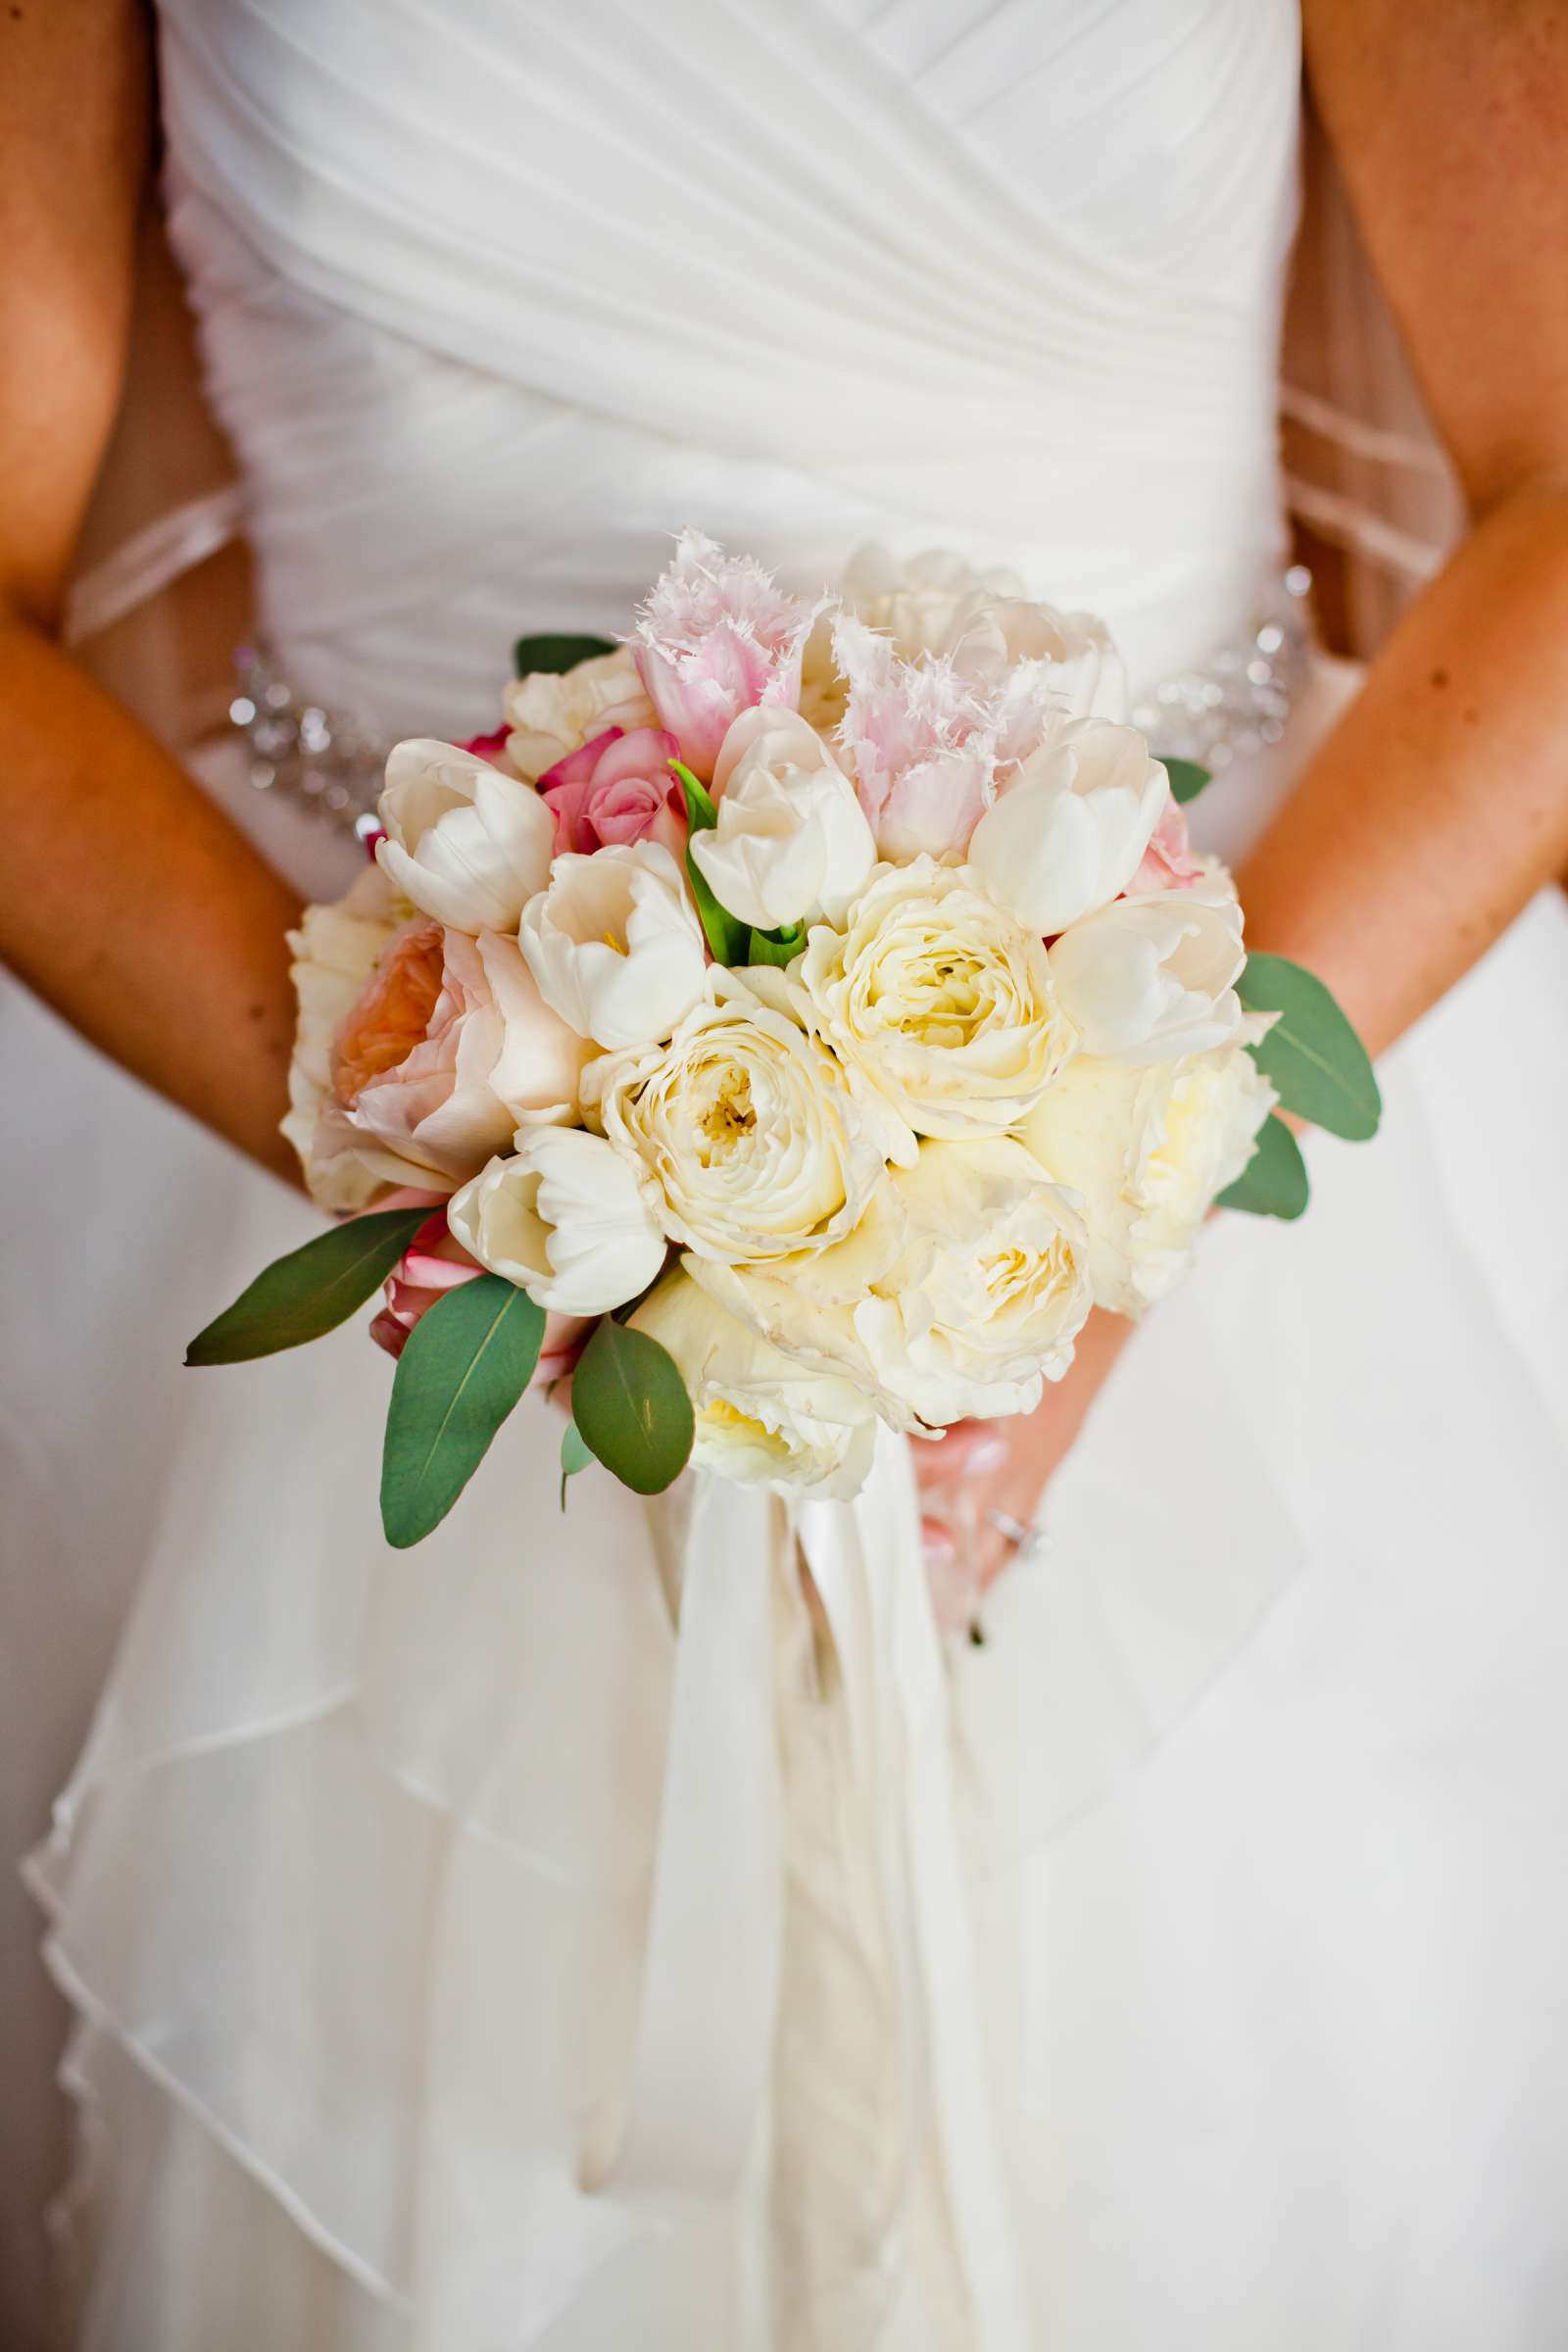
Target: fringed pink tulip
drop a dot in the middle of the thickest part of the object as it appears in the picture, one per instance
(716, 637)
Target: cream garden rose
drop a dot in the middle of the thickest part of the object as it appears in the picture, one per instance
(1146, 1147)
(465, 843)
(763, 1418)
(551, 715)
(988, 1294)
(791, 843)
(564, 1218)
(938, 1002)
(1151, 978)
(743, 1129)
(615, 943)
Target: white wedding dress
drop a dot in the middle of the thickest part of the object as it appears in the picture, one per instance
(463, 1962)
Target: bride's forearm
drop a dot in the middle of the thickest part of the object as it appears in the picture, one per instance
(1438, 804)
(133, 904)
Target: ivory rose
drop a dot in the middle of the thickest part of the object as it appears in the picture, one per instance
(445, 1048)
(990, 1290)
(463, 840)
(937, 1000)
(614, 943)
(617, 787)
(1151, 978)
(553, 713)
(742, 1129)
(791, 842)
(714, 638)
(1146, 1147)
(1071, 824)
(565, 1219)
(762, 1417)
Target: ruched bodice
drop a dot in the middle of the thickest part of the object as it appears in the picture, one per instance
(493, 300)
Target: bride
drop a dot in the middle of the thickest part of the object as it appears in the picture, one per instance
(459, 1958)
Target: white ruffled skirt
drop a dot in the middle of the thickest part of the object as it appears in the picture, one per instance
(465, 1963)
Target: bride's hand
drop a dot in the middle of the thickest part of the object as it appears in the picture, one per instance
(1005, 1466)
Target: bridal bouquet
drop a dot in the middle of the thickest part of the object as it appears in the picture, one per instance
(792, 1018)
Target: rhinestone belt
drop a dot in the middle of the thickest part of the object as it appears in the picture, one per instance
(1230, 708)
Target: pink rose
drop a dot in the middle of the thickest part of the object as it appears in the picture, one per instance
(617, 788)
(488, 746)
(1169, 862)
(714, 638)
(447, 1048)
(436, 1263)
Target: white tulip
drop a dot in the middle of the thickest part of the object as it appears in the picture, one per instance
(614, 943)
(791, 843)
(565, 1219)
(1146, 1147)
(465, 843)
(764, 1418)
(1071, 825)
(1151, 978)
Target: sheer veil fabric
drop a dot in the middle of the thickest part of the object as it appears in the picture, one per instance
(463, 1959)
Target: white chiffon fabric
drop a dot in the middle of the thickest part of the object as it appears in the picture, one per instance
(553, 1939)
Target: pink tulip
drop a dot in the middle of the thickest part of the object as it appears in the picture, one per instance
(716, 637)
(617, 787)
(436, 1263)
(918, 743)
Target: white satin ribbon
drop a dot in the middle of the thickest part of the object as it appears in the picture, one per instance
(709, 1978)
(705, 2047)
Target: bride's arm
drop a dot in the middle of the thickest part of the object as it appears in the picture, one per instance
(129, 903)
(1439, 803)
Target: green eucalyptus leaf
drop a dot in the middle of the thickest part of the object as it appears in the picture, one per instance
(776, 946)
(311, 1291)
(553, 654)
(576, 1455)
(1273, 1183)
(726, 936)
(631, 1407)
(1187, 778)
(467, 1362)
(1312, 1058)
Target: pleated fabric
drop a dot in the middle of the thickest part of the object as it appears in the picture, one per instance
(557, 1938)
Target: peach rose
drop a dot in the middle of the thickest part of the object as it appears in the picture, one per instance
(446, 1049)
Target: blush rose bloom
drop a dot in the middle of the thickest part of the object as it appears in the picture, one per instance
(551, 714)
(1071, 825)
(463, 840)
(791, 843)
(1146, 1147)
(763, 1418)
(937, 1000)
(1169, 862)
(617, 787)
(746, 1140)
(716, 637)
(1152, 977)
(565, 1219)
(447, 1047)
(614, 943)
